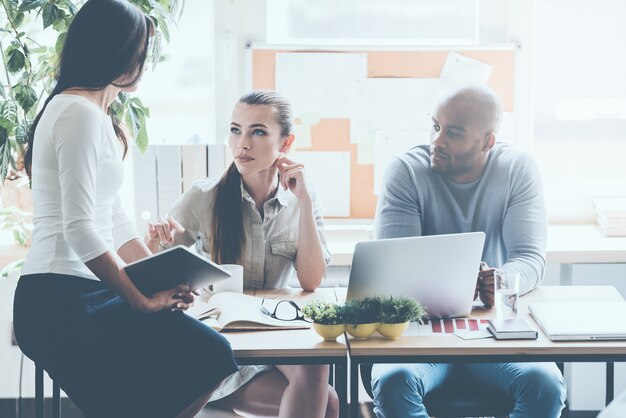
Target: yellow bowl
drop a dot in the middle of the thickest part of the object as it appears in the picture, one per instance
(392, 331)
(361, 331)
(329, 332)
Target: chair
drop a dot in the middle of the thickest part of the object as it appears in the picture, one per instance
(455, 399)
(39, 398)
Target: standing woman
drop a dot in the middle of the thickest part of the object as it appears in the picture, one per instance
(114, 351)
(261, 214)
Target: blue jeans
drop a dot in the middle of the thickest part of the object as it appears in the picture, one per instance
(538, 388)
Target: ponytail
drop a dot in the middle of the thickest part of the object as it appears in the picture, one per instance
(228, 230)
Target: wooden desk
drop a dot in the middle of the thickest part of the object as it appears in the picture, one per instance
(452, 349)
(293, 346)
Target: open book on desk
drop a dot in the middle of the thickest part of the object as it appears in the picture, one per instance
(232, 311)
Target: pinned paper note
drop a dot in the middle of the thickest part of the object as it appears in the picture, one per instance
(302, 133)
(507, 128)
(310, 118)
(320, 83)
(459, 70)
(393, 104)
(388, 144)
(329, 172)
(365, 153)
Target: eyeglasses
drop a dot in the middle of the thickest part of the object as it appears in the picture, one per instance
(284, 310)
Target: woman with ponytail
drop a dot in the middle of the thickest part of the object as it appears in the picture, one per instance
(263, 215)
(113, 350)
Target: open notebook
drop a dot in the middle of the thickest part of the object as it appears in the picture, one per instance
(231, 311)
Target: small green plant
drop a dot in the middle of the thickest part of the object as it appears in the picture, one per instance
(325, 313)
(399, 309)
(362, 311)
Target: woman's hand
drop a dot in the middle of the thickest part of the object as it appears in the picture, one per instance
(179, 298)
(162, 232)
(292, 177)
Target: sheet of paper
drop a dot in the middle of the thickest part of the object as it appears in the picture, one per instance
(507, 128)
(365, 153)
(302, 133)
(324, 84)
(393, 104)
(329, 172)
(459, 70)
(387, 144)
(473, 335)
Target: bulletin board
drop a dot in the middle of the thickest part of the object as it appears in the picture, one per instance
(334, 134)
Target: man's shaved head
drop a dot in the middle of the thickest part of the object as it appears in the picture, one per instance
(481, 105)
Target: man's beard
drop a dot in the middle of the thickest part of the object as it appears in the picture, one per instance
(458, 165)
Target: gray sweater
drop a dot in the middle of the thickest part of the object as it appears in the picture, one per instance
(505, 202)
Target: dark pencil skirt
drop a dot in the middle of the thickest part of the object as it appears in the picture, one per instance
(112, 361)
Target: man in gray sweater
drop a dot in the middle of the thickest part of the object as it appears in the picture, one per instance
(467, 182)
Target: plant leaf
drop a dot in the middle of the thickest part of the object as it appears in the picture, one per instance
(15, 60)
(5, 155)
(58, 46)
(28, 5)
(142, 139)
(25, 96)
(70, 6)
(18, 20)
(51, 13)
(60, 25)
(11, 267)
(19, 236)
(21, 134)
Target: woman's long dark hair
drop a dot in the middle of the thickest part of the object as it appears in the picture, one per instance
(107, 39)
(228, 239)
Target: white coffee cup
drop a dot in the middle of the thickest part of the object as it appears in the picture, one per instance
(232, 284)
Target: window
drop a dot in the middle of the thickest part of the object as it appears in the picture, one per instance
(372, 22)
(580, 106)
(180, 92)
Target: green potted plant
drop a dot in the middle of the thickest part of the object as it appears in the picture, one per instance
(396, 312)
(361, 316)
(327, 317)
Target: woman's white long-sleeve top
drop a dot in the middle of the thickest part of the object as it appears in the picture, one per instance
(77, 172)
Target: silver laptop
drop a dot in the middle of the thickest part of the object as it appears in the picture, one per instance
(440, 271)
(570, 321)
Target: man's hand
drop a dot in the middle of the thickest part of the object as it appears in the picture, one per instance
(485, 285)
